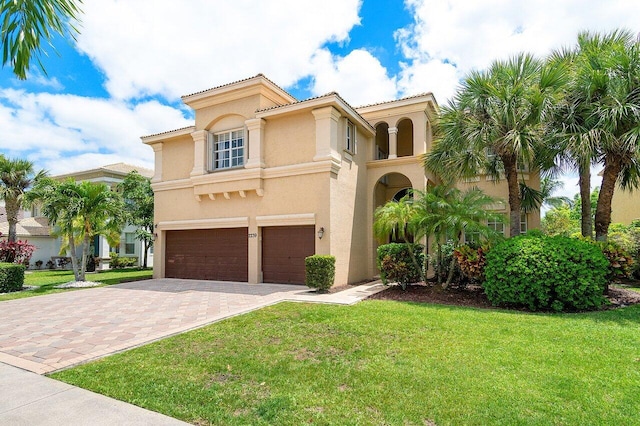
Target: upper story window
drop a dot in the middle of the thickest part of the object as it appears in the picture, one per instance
(226, 150)
(129, 243)
(350, 141)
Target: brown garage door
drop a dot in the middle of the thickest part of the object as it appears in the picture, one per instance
(283, 251)
(207, 254)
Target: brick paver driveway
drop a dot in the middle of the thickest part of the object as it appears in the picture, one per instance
(47, 333)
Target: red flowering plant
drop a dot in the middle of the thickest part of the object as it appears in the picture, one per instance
(16, 252)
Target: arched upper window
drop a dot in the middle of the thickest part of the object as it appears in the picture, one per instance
(382, 142)
(405, 138)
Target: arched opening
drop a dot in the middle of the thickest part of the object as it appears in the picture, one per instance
(405, 138)
(392, 186)
(382, 142)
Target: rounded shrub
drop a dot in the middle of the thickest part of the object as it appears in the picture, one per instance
(320, 272)
(11, 277)
(539, 272)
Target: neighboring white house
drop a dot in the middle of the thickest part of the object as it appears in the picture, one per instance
(35, 228)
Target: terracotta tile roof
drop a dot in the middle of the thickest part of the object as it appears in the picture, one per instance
(326, 95)
(236, 82)
(419, 95)
(128, 168)
(193, 128)
(121, 168)
(28, 227)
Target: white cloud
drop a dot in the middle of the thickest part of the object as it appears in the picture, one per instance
(358, 77)
(63, 133)
(150, 47)
(470, 35)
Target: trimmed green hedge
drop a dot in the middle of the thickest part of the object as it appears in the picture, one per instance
(118, 262)
(320, 272)
(396, 265)
(11, 277)
(539, 272)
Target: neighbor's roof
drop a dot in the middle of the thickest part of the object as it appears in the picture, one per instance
(28, 227)
(117, 168)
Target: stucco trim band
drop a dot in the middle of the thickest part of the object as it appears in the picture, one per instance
(225, 222)
(286, 219)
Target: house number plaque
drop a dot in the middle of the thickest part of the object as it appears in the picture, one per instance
(253, 235)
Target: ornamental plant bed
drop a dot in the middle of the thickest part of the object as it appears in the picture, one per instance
(474, 296)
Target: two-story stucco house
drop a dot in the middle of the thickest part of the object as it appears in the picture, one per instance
(263, 180)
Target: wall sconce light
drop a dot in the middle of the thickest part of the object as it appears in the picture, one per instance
(155, 236)
(321, 232)
(155, 226)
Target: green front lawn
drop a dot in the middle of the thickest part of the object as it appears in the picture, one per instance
(382, 362)
(45, 280)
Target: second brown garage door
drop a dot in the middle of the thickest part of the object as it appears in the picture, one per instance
(207, 254)
(283, 251)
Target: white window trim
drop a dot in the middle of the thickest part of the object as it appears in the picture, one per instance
(524, 220)
(211, 162)
(350, 143)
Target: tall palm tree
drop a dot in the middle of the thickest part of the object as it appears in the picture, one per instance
(79, 212)
(447, 213)
(575, 127)
(495, 124)
(617, 115)
(26, 24)
(16, 177)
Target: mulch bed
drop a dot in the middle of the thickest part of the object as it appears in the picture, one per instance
(473, 295)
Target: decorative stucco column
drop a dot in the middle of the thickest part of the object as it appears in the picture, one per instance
(200, 138)
(326, 133)
(393, 142)
(255, 252)
(255, 127)
(157, 152)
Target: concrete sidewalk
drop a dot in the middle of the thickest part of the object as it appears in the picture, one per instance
(33, 400)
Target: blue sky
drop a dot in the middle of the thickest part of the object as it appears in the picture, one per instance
(132, 61)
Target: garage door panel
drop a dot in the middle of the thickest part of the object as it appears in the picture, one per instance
(284, 249)
(210, 254)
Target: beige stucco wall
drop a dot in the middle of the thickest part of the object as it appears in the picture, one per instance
(290, 139)
(177, 158)
(625, 206)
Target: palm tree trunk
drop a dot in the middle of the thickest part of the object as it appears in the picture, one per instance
(511, 170)
(413, 259)
(12, 208)
(452, 266)
(584, 182)
(85, 255)
(439, 265)
(610, 174)
(74, 259)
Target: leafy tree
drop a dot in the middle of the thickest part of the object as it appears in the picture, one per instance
(79, 211)
(138, 200)
(495, 123)
(26, 24)
(16, 177)
(447, 213)
(558, 221)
